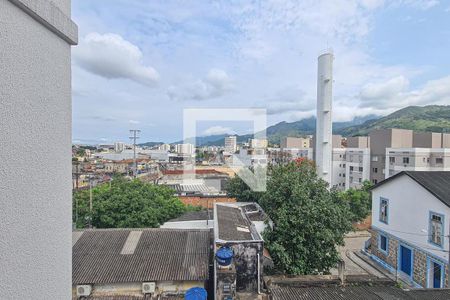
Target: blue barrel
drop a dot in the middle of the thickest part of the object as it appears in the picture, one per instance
(195, 293)
(224, 256)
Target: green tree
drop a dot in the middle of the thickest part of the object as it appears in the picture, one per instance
(127, 204)
(359, 201)
(237, 188)
(309, 220)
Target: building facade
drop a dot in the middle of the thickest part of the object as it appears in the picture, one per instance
(294, 142)
(230, 144)
(382, 139)
(35, 126)
(410, 227)
(416, 159)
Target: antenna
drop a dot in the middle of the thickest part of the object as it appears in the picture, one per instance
(134, 137)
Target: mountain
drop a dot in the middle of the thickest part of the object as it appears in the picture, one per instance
(434, 118)
(306, 127)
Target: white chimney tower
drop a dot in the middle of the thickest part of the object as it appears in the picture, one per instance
(324, 145)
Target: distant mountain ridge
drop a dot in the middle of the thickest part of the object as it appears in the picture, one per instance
(434, 118)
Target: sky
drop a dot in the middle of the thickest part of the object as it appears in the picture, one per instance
(139, 64)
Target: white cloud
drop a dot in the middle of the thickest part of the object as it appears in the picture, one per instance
(110, 56)
(133, 122)
(216, 84)
(393, 94)
(418, 4)
(215, 130)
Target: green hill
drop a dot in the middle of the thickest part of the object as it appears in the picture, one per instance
(434, 118)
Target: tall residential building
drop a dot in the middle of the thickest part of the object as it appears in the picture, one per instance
(416, 159)
(338, 168)
(427, 140)
(230, 144)
(258, 143)
(358, 142)
(323, 138)
(119, 146)
(184, 148)
(357, 167)
(351, 167)
(379, 141)
(36, 206)
(294, 142)
(164, 147)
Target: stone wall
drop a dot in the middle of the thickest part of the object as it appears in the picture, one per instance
(391, 257)
(420, 268)
(419, 264)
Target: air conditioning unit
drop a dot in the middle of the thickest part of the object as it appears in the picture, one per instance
(148, 287)
(83, 290)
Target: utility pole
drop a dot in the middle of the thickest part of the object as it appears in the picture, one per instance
(134, 137)
(90, 201)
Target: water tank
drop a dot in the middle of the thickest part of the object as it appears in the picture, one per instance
(224, 256)
(196, 293)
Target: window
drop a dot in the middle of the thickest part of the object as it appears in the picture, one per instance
(383, 243)
(436, 229)
(374, 158)
(351, 179)
(360, 169)
(406, 160)
(351, 168)
(439, 160)
(374, 181)
(392, 160)
(359, 180)
(375, 170)
(384, 210)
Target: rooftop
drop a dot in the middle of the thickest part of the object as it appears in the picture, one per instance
(233, 224)
(138, 255)
(355, 292)
(194, 216)
(436, 182)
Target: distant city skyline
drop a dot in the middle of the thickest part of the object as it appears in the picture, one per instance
(139, 64)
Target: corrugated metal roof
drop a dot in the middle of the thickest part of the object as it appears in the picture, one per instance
(232, 225)
(160, 254)
(194, 216)
(354, 293)
(192, 188)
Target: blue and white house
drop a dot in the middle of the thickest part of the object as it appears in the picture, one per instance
(410, 226)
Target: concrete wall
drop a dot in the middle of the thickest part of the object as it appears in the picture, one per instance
(358, 142)
(427, 140)
(35, 134)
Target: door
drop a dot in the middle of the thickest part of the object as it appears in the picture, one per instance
(436, 275)
(405, 260)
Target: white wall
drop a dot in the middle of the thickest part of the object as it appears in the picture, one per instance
(409, 208)
(35, 169)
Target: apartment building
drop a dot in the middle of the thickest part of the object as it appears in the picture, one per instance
(184, 148)
(230, 144)
(382, 139)
(258, 143)
(351, 167)
(357, 167)
(338, 175)
(294, 142)
(416, 159)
